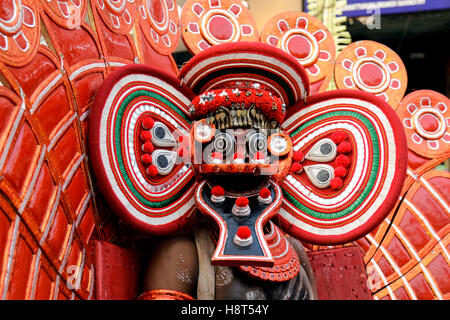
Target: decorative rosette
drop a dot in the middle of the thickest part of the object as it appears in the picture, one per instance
(308, 40)
(19, 31)
(206, 23)
(160, 24)
(118, 15)
(372, 67)
(425, 116)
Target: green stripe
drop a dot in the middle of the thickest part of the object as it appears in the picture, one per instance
(372, 175)
(163, 100)
(118, 145)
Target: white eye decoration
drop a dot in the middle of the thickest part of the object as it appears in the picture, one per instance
(161, 136)
(256, 142)
(320, 175)
(164, 161)
(203, 132)
(224, 143)
(279, 144)
(324, 150)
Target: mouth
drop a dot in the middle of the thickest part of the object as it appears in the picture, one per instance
(242, 185)
(241, 215)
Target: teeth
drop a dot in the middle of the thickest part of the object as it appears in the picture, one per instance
(239, 116)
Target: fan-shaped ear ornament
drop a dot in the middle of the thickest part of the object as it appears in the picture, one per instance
(145, 182)
(247, 64)
(369, 166)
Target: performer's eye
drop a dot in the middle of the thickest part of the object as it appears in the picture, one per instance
(164, 160)
(161, 135)
(203, 132)
(320, 175)
(224, 143)
(256, 142)
(279, 144)
(324, 150)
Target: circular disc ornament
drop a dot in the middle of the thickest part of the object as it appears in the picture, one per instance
(372, 67)
(160, 23)
(19, 31)
(203, 132)
(375, 167)
(425, 115)
(149, 187)
(308, 40)
(118, 15)
(279, 144)
(205, 23)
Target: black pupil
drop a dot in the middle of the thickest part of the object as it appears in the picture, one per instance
(159, 133)
(260, 144)
(325, 148)
(323, 175)
(162, 161)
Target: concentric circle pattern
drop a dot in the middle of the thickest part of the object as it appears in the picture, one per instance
(118, 15)
(307, 39)
(19, 31)
(425, 116)
(206, 23)
(372, 67)
(155, 203)
(160, 22)
(375, 176)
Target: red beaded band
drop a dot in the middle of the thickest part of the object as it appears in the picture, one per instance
(269, 104)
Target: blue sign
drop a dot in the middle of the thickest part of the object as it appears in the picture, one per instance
(357, 8)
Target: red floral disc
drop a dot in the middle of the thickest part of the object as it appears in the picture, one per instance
(160, 22)
(210, 22)
(425, 116)
(308, 40)
(372, 67)
(118, 15)
(19, 31)
(66, 13)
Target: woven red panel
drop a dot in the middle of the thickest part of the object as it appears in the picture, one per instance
(407, 258)
(340, 274)
(117, 272)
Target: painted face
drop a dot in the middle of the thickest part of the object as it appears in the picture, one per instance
(240, 153)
